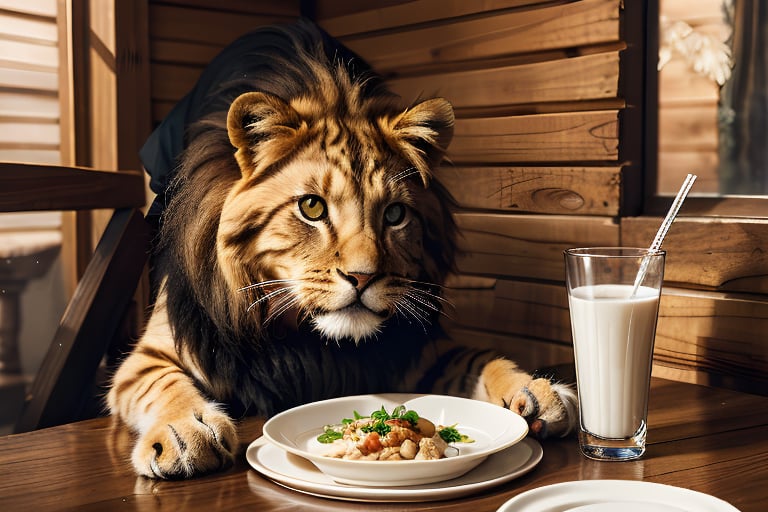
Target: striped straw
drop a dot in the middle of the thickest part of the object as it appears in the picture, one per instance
(665, 225)
(672, 213)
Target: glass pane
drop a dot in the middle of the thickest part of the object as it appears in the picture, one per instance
(713, 96)
(32, 300)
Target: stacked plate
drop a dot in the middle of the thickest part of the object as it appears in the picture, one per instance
(290, 454)
(614, 495)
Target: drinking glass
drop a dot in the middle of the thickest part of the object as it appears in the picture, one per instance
(613, 298)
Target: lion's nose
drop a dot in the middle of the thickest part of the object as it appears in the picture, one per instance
(358, 279)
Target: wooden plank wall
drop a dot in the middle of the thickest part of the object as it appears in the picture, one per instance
(186, 34)
(537, 161)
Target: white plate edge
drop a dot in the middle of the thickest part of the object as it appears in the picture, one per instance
(625, 490)
(382, 494)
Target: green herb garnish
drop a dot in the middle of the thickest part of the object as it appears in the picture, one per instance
(451, 435)
(333, 432)
(381, 416)
(329, 435)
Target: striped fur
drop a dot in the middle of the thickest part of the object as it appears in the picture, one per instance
(301, 255)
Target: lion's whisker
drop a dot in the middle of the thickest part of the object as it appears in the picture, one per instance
(427, 292)
(406, 312)
(282, 308)
(415, 311)
(433, 301)
(268, 283)
(270, 295)
(421, 300)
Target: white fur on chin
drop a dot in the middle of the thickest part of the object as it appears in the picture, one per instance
(357, 324)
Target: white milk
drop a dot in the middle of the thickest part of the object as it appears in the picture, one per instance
(613, 341)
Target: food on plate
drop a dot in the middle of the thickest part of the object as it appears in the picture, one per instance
(400, 435)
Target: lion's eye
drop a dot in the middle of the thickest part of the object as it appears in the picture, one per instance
(394, 214)
(313, 207)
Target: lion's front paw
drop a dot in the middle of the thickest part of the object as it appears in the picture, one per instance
(192, 443)
(550, 409)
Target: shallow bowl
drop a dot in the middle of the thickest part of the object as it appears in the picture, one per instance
(493, 428)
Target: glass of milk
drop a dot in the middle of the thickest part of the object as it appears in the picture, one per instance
(613, 295)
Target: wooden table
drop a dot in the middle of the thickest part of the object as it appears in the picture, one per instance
(705, 439)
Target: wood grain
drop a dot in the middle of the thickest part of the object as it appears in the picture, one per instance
(708, 338)
(688, 127)
(27, 187)
(529, 353)
(165, 89)
(557, 190)
(582, 78)
(681, 10)
(185, 36)
(515, 308)
(342, 18)
(675, 165)
(468, 38)
(215, 27)
(285, 8)
(590, 77)
(725, 254)
(678, 85)
(190, 53)
(567, 137)
(527, 246)
(688, 142)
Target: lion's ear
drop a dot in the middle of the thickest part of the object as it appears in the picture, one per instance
(263, 128)
(423, 133)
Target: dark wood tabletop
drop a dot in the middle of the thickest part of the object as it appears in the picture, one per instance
(706, 439)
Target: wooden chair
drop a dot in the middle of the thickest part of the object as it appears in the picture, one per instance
(63, 389)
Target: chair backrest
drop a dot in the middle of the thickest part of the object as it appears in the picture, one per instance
(64, 385)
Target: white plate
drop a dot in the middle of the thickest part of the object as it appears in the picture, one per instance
(621, 495)
(493, 429)
(298, 474)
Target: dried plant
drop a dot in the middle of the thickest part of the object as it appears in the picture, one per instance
(703, 53)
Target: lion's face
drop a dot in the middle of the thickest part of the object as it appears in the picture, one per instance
(333, 219)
